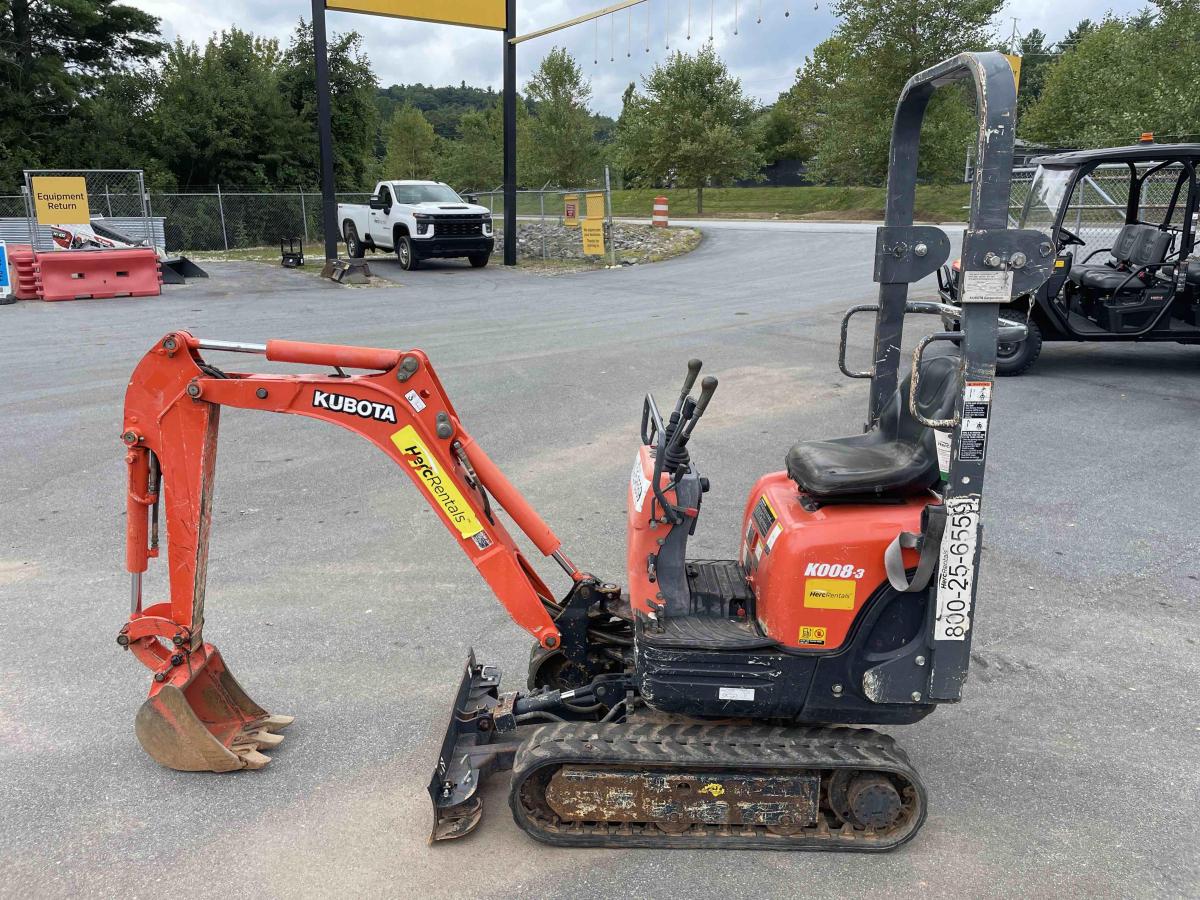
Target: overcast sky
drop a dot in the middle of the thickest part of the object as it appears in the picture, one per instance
(764, 55)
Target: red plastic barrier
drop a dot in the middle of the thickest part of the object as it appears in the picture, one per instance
(74, 274)
(22, 271)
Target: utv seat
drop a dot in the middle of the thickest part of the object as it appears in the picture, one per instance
(897, 457)
(1134, 247)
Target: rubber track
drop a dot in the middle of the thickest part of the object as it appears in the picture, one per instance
(686, 745)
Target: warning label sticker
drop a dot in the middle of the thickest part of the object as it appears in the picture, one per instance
(812, 634)
(764, 516)
(972, 437)
(987, 287)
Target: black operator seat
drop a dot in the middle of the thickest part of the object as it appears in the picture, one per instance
(896, 458)
(1135, 246)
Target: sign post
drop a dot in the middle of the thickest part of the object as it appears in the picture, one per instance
(510, 134)
(325, 135)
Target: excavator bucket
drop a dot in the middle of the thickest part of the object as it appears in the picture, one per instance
(200, 720)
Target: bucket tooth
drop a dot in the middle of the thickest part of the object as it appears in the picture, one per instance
(266, 740)
(275, 723)
(250, 757)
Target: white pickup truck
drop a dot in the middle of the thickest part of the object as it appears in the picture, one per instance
(418, 220)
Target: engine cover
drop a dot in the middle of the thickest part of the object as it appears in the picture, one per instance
(812, 570)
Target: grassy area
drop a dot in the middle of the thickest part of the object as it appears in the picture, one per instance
(935, 203)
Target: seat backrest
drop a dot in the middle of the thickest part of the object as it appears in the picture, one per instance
(1140, 245)
(938, 389)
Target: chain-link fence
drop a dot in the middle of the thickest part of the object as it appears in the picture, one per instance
(232, 220)
(1097, 206)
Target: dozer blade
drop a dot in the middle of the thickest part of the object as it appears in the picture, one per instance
(470, 751)
(200, 719)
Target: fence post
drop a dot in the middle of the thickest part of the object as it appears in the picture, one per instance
(108, 200)
(221, 209)
(612, 232)
(542, 203)
(304, 215)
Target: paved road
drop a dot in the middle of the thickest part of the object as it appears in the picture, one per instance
(1068, 770)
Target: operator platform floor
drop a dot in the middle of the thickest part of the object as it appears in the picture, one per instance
(1069, 770)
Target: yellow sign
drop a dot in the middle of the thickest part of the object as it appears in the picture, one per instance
(443, 490)
(571, 210)
(60, 200)
(1015, 62)
(475, 13)
(829, 593)
(595, 205)
(593, 237)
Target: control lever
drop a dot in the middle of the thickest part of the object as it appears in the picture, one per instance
(708, 387)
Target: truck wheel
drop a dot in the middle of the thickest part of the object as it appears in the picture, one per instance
(479, 260)
(1015, 358)
(406, 254)
(354, 246)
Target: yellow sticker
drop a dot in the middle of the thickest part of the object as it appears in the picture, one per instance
(829, 593)
(716, 790)
(443, 490)
(811, 634)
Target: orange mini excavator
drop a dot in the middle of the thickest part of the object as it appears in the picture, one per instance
(705, 703)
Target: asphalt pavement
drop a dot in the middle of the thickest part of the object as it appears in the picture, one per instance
(1069, 770)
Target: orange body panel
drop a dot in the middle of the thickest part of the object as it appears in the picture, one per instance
(642, 536)
(812, 572)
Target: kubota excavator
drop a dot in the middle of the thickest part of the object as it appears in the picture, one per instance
(707, 702)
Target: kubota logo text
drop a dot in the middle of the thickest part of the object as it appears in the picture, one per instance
(352, 406)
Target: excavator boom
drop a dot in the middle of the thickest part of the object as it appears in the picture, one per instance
(197, 717)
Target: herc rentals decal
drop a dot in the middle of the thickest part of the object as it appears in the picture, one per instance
(353, 406)
(443, 490)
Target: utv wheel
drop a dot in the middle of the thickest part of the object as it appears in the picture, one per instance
(354, 246)
(406, 254)
(478, 260)
(1013, 358)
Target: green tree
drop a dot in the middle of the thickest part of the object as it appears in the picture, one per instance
(1123, 77)
(54, 57)
(563, 131)
(1037, 56)
(693, 125)
(354, 118)
(845, 94)
(220, 117)
(475, 161)
(411, 146)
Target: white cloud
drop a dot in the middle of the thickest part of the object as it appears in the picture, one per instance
(612, 52)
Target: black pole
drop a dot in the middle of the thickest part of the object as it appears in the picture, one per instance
(510, 136)
(325, 132)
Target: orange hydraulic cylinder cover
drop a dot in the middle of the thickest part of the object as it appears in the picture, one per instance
(813, 571)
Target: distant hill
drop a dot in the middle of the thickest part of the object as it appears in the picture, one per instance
(444, 106)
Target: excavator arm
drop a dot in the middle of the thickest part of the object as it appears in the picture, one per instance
(172, 413)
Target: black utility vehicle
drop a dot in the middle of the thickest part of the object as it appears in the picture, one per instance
(1122, 222)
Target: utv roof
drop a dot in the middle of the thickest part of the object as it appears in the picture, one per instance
(1142, 152)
